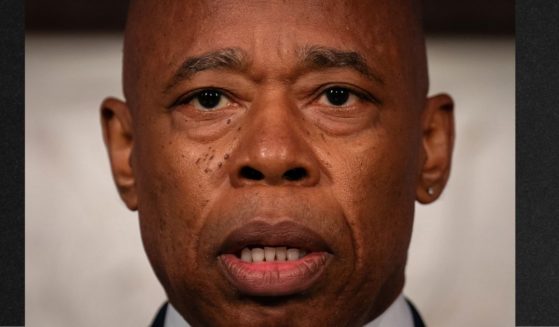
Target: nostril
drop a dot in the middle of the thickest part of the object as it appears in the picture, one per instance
(295, 174)
(251, 173)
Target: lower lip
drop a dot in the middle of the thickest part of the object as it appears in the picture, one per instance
(276, 278)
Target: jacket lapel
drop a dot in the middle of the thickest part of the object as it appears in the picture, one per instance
(417, 321)
(159, 320)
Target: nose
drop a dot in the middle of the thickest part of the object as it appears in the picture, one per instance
(273, 151)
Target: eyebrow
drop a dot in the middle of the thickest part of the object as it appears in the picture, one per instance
(318, 57)
(226, 58)
(309, 58)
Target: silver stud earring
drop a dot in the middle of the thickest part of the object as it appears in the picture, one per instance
(430, 191)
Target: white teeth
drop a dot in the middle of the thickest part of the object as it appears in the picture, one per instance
(281, 254)
(246, 255)
(269, 253)
(257, 255)
(292, 254)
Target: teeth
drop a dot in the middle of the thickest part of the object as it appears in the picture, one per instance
(269, 253)
(292, 254)
(281, 254)
(246, 255)
(257, 255)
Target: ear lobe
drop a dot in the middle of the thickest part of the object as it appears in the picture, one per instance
(116, 122)
(438, 142)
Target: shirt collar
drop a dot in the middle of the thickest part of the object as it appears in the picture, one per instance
(398, 314)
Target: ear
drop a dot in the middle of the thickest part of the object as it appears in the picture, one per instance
(116, 121)
(438, 142)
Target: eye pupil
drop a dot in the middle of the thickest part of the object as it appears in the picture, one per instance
(209, 98)
(337, 96)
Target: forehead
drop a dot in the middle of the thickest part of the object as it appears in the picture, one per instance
(197, 22)
(161, 34)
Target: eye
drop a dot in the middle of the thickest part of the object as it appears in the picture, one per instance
(208, 99)
(338, 97)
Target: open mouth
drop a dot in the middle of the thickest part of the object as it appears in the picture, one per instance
(261, 259)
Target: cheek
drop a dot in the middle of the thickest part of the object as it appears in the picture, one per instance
(172, 197)
(376, 188)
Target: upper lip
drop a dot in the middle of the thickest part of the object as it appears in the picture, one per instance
(284, 233)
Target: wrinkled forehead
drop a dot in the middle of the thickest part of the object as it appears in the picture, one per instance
(160, 33)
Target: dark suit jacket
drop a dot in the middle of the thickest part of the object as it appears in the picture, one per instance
(160, 318)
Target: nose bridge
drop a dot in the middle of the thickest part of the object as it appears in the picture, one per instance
(275, 135)
(272, 149)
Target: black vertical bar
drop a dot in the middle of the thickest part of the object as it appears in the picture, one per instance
(537, 166)
(11, 163)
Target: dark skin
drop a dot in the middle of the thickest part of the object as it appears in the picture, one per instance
(324, 102)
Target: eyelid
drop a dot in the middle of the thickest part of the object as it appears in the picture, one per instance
(188, 97)
(357, 91)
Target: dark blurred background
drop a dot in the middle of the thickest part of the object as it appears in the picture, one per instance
(481, 17)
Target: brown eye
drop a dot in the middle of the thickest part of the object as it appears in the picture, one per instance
(209, 100)
(338, 97)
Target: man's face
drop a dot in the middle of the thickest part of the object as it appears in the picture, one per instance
(283, 132)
